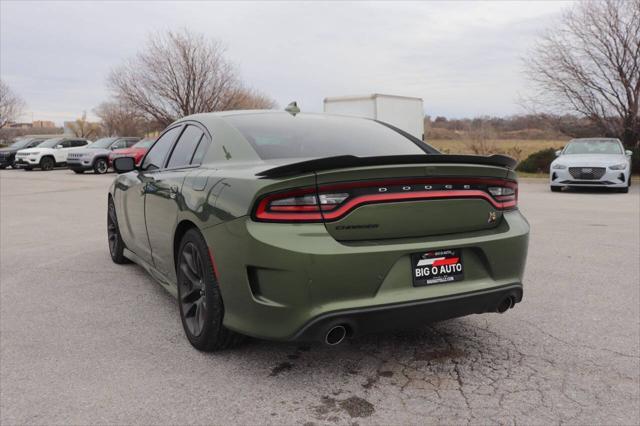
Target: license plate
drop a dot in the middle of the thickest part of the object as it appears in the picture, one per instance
(437, 267)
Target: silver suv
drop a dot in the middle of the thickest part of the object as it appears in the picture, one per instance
(95, 156)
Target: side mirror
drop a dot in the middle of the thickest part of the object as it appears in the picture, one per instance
(124, 164)
(58, 146)
(558, 152)
(628, 153)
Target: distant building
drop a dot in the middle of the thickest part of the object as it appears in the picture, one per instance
(20, 125)
(67, 127)
(43, 124)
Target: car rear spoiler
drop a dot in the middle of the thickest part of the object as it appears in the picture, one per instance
(346, 161)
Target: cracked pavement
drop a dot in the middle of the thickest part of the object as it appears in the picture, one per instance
(83, 340)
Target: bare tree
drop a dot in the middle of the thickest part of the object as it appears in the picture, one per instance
(250, 99)
(179, 74)
(590, 64)
(11, 105)
(121, 119)
(82, 128)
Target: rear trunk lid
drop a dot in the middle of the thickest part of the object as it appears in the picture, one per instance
(411, 201)
(391, 197)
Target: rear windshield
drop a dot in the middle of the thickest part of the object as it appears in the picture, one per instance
(596, 146)
(281, 135)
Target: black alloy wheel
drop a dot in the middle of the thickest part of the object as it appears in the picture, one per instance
(116, 245)
(47, 163)
(199, 298)
(192, 289)
(101, 166)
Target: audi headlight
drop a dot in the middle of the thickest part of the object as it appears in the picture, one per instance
(559, 166)
(621, 166)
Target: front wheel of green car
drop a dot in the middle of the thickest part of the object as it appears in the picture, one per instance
(201, 308)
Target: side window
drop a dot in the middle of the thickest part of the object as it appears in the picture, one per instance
(185, 148)
(131, 142)
(66, 144)
(119, 144)
(78, 143)
(155, 157)
(201, 150)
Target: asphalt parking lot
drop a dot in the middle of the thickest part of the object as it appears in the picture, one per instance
(83, 340)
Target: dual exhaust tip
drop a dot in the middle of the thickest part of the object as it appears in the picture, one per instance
(335, 335)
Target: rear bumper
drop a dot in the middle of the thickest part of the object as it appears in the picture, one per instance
(277, 280)
(410, 314)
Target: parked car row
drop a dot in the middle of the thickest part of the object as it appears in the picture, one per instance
(78, 154)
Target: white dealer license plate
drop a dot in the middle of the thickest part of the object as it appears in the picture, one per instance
(437, 267)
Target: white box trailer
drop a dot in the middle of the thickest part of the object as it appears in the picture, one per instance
(403, 112)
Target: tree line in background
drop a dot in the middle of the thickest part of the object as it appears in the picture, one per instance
(526, 126)
(585, 71)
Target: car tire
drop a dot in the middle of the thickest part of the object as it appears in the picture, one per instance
(78, 171)
(555, 188)
(199, 298)
(3, 167)
(116, 245)
(100, 166)
(47, 163)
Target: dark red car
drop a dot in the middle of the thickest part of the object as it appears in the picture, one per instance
(137, 151)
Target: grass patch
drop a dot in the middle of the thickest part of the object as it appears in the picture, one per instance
(533, 175)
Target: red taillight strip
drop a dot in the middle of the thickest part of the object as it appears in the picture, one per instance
(423, 195)
(294, 213)
(318, 213)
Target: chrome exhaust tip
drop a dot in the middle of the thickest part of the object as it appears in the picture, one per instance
(335, 335)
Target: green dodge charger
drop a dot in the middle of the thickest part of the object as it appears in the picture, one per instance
(319, 227)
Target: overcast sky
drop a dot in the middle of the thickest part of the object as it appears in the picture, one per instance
(462, 58)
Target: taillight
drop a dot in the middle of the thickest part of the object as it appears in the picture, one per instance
(304, 205)
(334, 201)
